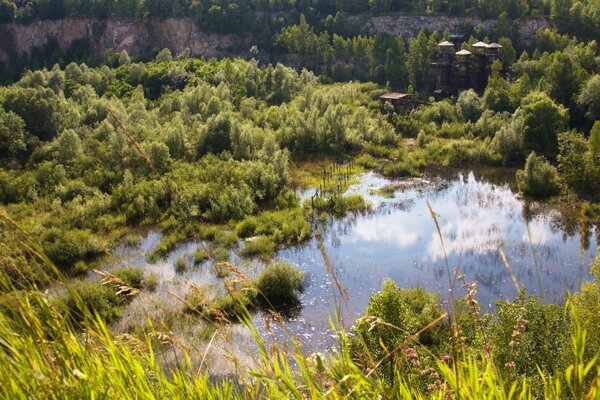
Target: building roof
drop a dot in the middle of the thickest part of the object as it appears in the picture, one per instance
(494, 46)
(395, 96)
(479, 44)
(463, 53)
(446, 43)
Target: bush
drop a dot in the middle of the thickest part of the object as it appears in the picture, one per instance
(586, 308)
(339, 206)
(279, 283)
(85, 297)
(200, 255)
(538, 178)
(233, 306)
(409, 310)
(285, 227)
(469, 105)
(261, 246)
(135, 278)
(246, 228)
(509, 142)
(180, 265)
(542, 342)
(66, 247)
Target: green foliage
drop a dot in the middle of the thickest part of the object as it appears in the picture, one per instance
(392, 316)
(279, 283)
(66, 247)
(469, 105)
(200, 255)
(259, 246)
(180, 265)
(285, 227)
(538, 178)
(586, 309)
(543, 120)
(340, 206)
(576, 162)
(135, 278)
(45, 114)
(508, 142)
(542, 344)
(12, 134)
(589, 98)
(84, 298)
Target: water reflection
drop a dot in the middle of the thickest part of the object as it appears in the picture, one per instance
(399, 240)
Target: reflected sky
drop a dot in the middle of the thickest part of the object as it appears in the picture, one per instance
(398, 240)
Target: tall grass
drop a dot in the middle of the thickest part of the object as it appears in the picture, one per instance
(44, 355)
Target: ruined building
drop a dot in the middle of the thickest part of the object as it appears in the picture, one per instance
(459, 70)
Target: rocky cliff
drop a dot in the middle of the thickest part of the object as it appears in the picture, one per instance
(133, 35)
(178, 34)
(410, 25)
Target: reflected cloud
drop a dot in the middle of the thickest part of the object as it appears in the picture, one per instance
(385, 230)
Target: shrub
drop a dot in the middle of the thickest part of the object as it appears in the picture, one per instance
(409, 310)
(133, 277)
(509, 142)
(85, 297)
(246, 228)
(341, 205)
(150, 282)
(200, 255)
(399, 169)
(469, 105)
(279, 283)
(180, 265)
(366, 161)
(538, 178)
(285, 227)
(66, 247)
(586, 308)
(233, 306)
(542, 342)
(261, 246)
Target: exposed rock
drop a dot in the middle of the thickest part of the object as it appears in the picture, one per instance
(136, 34)
(133, 35)
(410, 25)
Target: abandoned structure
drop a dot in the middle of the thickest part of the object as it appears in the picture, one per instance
(400, 101)
(458, 70)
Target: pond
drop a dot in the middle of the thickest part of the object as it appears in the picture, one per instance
(398, 239)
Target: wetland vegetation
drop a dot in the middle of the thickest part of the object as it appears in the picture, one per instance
(183, 227)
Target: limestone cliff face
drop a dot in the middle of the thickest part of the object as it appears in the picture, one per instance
(410, 25)
(133, 35)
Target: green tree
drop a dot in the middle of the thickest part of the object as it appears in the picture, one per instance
(589, 98)
(469, 105)
(68, 146)
(543, 120)
(538, 177)
(12, 133)
(42, 110)
(562, 78)
(417, 62)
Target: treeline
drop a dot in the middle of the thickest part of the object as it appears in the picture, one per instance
(577, 16)
(210, 144)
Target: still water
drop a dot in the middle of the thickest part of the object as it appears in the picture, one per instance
(398, 240)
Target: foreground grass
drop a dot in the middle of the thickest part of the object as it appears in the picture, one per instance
(45, 354)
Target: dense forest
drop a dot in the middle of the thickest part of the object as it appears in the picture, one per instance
(218, 151)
